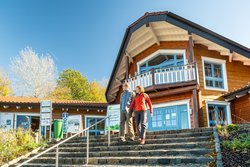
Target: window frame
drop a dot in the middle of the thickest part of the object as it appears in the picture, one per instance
(162, 51)
(216, 102)
(224, 73)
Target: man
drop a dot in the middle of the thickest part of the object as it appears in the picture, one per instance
(125, 114)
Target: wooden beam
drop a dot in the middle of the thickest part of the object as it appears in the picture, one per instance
(195, 107)
(247, 63)
(118, 81)
(129, 57)
(154, 34)
(191, 51)
(231, 57)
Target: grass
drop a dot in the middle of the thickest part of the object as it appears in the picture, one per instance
(16, 143)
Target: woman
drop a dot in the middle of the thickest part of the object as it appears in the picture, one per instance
(140, 111)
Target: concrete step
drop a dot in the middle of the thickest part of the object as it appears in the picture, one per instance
(155, 146)
(156, 160)
(134, 165)
(138, 153)
(148, 141)
(159, 136)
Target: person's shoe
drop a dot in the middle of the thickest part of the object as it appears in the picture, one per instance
(123, 139)
(131, 138)
(142, 141)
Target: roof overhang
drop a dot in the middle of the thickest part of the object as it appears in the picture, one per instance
(152, 28)
(238, 93)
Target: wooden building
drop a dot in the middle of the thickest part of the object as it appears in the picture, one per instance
(14, 111)
(184, 67)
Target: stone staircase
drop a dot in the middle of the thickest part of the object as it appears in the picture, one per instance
(189, 147)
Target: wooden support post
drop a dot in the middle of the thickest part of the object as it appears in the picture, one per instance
(191, 51)
(127, 66)
(195, 108)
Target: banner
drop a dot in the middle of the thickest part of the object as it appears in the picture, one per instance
(74, 123)
(114, 113)
(6, 121)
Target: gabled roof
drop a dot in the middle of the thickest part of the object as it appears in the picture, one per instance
(177, 21)
(237, 93)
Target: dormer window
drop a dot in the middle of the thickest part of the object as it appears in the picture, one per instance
(162, 59)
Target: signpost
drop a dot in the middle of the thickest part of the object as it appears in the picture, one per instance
(114, 113)
(65, 116)
(45, 117)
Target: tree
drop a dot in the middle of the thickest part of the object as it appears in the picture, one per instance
(62, 93)
(4, 84)
(97, 92)
(34, 75)
(76, 82)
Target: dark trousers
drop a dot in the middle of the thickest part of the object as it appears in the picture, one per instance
(141, 120)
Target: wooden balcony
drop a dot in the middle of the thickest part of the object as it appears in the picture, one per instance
(165, 78)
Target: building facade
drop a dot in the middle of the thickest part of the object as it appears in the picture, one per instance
(24, 112)
(185, 68)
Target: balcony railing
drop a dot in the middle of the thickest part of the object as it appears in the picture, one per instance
(170, 75)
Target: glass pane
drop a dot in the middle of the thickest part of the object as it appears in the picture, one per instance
(153, 124)
(209, 83)
(212, 116)
(23, 121)
(218, 84)
(159, 124)
(208, 70)
(179, 57)
(221, 115)
(168, 122)
(174, 122)
(217, 71)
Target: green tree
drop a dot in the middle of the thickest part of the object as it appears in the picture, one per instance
(76, 82)
(97, 92)
(62, 93)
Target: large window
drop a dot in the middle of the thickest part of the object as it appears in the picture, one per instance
(162, 59)
(214, 74)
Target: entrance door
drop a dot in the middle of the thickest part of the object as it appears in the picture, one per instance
(217, 114)
(169, 118)
(97, 129)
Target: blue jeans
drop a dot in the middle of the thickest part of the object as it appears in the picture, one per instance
(141, 120)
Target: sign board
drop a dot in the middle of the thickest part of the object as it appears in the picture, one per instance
(65, 116)
(45, 112)
(6, 121)
(114, 113)
(74, 123)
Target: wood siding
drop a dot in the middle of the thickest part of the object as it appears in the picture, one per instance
(241, 108)
(237, 76)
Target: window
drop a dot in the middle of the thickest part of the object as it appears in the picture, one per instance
(162, 59)
(214, 74)
(218, 113)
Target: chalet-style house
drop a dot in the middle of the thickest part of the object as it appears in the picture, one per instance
(191, 73)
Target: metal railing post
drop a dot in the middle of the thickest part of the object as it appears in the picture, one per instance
(57, 156)
(108, 131)
(87, 147)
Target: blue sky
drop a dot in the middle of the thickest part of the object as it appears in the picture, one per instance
(86, 34)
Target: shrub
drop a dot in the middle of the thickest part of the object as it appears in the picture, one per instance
(232, 128)
(16, 143)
